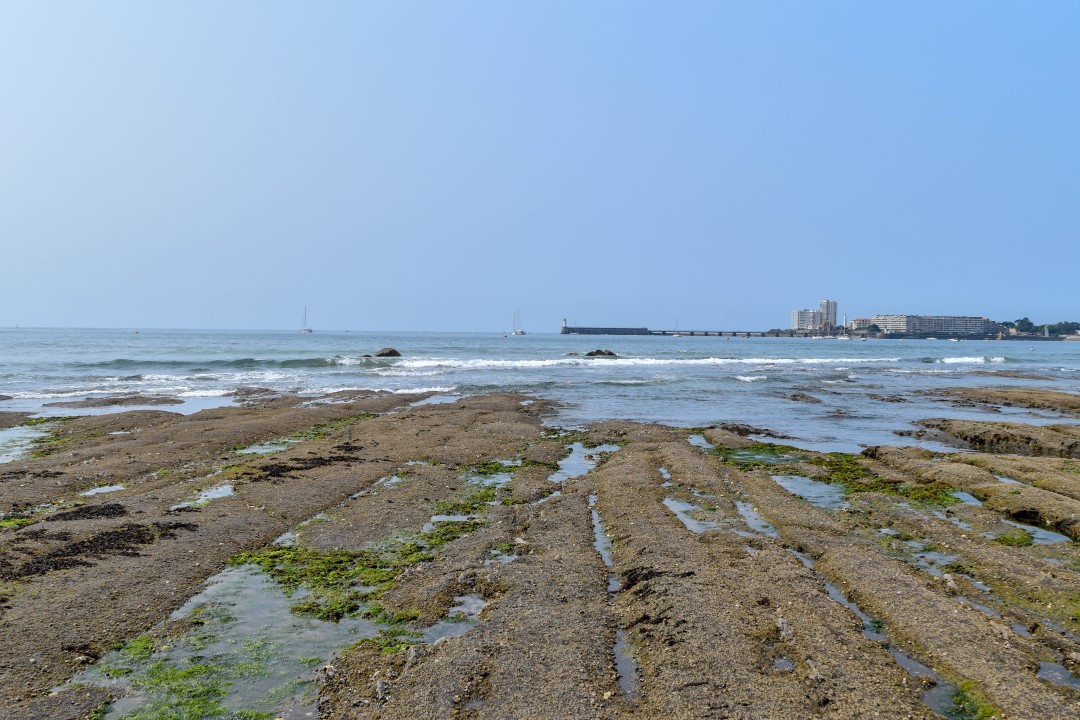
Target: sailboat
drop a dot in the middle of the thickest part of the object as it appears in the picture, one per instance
(677, 333)
(304, 328)
(517, 330)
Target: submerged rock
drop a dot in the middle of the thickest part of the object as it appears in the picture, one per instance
(803, 397)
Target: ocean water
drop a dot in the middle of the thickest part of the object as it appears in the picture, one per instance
(688, 381)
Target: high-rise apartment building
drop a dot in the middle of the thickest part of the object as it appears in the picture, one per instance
(827, 308)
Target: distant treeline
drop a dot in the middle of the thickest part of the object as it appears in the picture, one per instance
(1025, 325)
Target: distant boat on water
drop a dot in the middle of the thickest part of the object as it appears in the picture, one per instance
(517, 330)
(304, 328)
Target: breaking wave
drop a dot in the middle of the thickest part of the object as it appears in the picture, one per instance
(963, 360)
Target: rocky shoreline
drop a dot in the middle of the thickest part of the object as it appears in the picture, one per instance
(724, 593)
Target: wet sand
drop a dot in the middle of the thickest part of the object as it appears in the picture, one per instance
(722, 595)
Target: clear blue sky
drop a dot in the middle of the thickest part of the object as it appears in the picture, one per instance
(439, 165)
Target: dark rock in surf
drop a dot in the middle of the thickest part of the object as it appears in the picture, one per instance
(803, 397)
(746, 430)
(388, 352)
(601, 353)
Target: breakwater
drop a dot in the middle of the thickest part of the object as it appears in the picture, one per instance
(584, 330)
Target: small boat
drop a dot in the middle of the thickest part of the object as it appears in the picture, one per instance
(677, 333)
(304, 328)
(517, 330)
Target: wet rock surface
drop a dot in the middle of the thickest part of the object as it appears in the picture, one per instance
(887, 398)
(12, 419)
(1010, 437)
(1038, 398)
(117, 401)
(747, 430)
(727, 609)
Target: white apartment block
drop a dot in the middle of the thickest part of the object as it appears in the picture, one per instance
(805, 320)
(893, 323)
(934, 324)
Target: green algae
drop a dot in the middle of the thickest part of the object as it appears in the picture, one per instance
(468, 502)
(193, 686)
(324, 430)
(139, 648)
(377, 613)
(54, 441)
(1015, 538)
(495, 467)
(393, 640)
(33, 422)
(847, 470)
(190, 688)
(16, 522)
(569, 437)
(759, 455)
(969, 704)
(340, 582)
(447, 531)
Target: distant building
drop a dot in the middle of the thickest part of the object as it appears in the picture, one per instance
(893, 323)
(827, 308)
(824, 318)
(806, 320)
(861, 323)
(933, 324)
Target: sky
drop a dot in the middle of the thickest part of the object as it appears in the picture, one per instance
(440, 166)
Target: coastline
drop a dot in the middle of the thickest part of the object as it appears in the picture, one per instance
(722, 589)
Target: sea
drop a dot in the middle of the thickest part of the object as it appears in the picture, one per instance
(868, 391)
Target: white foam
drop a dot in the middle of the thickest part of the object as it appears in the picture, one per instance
(417, 391)
(476, 364)
(971, 360)
(751, 378)
(204, 393)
